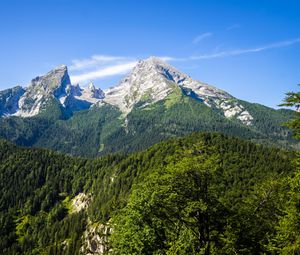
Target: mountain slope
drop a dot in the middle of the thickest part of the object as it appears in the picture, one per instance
(101, 130)
(52, 88)
(153, 80)
(9, 99)
(154, 102)
(55, 204)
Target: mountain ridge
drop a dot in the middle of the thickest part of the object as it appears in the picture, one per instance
(152, 103)
(151, 79)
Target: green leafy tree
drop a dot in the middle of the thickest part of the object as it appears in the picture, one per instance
(287, 239)
(292, 99)
(204, 193)
(176, 211)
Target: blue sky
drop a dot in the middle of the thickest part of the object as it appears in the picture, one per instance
(251, 49)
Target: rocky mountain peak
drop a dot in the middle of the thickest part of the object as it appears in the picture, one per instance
(153, 79)
(146, 82)
(151, 62)
(53, 80)
(91, 93)
(157, 63)
(42, 89)
(53, 87)
(91, 86)
(159, 66)
(150, 81)
(163, 68)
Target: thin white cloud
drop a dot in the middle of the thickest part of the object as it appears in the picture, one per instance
(101, 66)
(201, 37)
(104, 72)
(244, 51)
(111, 65)
(167, 58)
(95, 60)
(234, 26)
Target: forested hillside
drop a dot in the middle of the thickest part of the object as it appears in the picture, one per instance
(201, 194)
(149, 127)
(102, 130)
(133, 115)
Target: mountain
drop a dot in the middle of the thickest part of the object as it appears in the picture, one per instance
(55, 204)
(53, 87)
(153, 103)
(150, 81)
(9, 100)
(153, 80)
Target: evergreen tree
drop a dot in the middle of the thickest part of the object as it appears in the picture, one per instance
(287, 239)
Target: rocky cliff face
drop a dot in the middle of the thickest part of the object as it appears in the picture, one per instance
(55, 85)
(146, 82)
(150, 81)
(153, 80)
(95, 239)
(41, 90)
(9, 100)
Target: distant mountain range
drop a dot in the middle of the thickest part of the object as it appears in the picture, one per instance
(154, 102)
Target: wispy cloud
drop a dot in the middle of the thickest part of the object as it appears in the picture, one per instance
(103, 72)
(219, 54)
(201, 37)
(101, 66)
(167, 58)
(95, 60)
(234, 26)
(280, 44)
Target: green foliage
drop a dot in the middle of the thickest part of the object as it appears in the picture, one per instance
(293, 100)
(103, 130)
(204, 193)
(269, 123)
(172, 204)
(203, 202)
(286, 240)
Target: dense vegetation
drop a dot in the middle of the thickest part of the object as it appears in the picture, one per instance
(201, 194)
(103, 130)
(205, 193)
